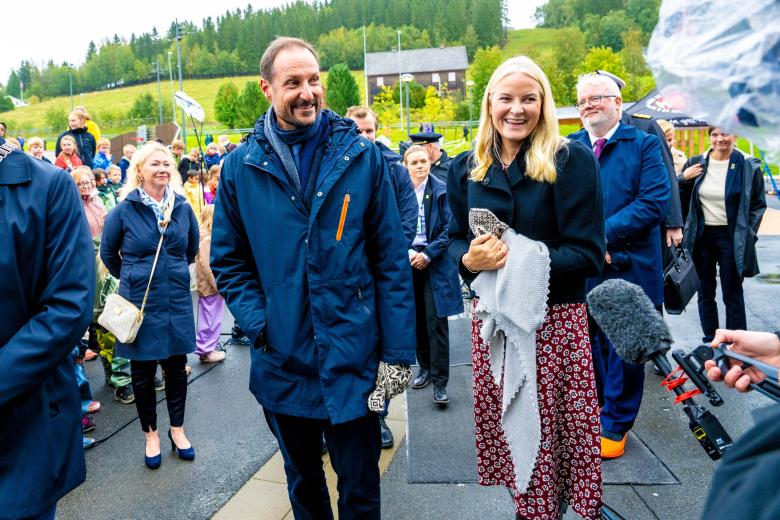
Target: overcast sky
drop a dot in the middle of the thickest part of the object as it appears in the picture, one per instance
(61, 30)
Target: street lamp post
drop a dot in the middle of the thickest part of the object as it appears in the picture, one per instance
(173, 96)
(400, 85)
(70, 81)
(470, 88)
(159, 91)
(181, 84)
(406, 79)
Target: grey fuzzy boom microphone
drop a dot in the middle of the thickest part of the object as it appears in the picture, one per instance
(627, 316)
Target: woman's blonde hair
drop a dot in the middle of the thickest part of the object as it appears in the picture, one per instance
(80, 171)
(544, 139)
(414, 149)
(207, 216)
(138, 161)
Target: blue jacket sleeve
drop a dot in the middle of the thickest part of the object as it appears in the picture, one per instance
(111, 241)
(407, 202)
(648, 208)
(232, 261)
(64, 308)
(440, 244)
(387, 251)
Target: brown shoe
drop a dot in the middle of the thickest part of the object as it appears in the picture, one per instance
(215, 356)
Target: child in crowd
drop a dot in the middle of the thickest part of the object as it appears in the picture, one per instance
(68, 159)
(102, 158)
(212, 156)
(177, 149)
(106, 194)
(36, 147)
(214, 181)
(114, 180)
(127, 154)
(194, 192)
(191, 162)
(211, 306)
(208, 196)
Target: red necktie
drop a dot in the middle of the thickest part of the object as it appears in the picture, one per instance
(599, 147)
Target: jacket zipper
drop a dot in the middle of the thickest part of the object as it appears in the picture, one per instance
(343, 218)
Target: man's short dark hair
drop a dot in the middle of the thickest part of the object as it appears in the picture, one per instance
(279, 44)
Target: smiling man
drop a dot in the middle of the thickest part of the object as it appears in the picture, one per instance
(636, 194)
(308, 251)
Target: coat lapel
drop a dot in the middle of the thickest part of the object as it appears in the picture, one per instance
(427, 204)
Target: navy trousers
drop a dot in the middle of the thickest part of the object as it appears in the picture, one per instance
(714, 251)
(354, 449)
(619, 385)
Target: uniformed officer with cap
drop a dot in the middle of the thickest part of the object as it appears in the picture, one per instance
(440, 161)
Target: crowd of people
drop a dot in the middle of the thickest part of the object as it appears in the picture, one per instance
(360, 283)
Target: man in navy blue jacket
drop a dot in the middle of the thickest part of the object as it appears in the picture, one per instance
(309, 253)
(636, 194)
(48, 288)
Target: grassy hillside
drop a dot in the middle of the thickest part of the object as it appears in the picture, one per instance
(534, 43)
(31, 120)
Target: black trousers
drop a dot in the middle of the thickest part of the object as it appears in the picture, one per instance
(142, 374)
(354, 449)
(714, 252)
(433, 334)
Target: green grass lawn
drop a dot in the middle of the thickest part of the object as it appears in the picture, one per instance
(533, 43)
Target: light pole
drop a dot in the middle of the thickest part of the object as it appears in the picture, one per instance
(181, 85)
(406, 79)
(70, 81)
(470, 89)
(173, 96)
(159, 91)
(400, 85)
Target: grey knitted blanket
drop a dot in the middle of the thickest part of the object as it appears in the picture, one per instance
(512, 306)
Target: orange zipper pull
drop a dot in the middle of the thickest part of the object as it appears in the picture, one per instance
(343, 218)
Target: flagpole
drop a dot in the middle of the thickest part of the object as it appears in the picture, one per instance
(365, 76)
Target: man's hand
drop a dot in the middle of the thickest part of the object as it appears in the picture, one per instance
(486, 253)
(607, 257)
(762, 346)
(674, 236)
(419, 261)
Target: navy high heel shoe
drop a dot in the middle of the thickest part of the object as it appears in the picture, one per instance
(153, 462)
(184, 454)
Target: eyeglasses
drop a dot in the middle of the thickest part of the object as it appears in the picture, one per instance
(84, 184)
(593, 101)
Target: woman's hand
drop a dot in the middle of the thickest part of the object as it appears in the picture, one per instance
(486, 253)
(692, 172)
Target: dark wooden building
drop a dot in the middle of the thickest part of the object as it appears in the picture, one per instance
(430, 67)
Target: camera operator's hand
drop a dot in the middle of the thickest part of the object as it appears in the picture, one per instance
(763, 346)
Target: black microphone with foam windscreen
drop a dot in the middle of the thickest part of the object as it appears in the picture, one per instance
(639, 334)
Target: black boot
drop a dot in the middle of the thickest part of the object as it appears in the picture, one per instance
(387, 435)
(440, 395)
(422, 379)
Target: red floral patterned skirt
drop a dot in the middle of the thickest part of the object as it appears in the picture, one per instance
(569, 464)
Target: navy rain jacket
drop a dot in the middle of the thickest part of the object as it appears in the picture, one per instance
(322, 303)
(48, 287)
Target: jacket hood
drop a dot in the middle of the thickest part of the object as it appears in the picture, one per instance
(389, 155)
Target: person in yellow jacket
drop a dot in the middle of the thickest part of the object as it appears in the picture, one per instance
(91, 126)
(193, 190)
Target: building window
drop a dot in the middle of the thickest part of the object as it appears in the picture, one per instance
(380, 81)
(451, 76)
(435, 77)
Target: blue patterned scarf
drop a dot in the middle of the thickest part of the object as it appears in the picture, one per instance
(160, 208)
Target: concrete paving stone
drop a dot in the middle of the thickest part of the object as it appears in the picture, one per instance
(273, 470)
(257, 500)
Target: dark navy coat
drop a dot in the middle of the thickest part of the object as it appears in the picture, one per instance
(404, 191)
(442, 270)
(131, 231)
(636, 190)
(321, 310)
(47, 287)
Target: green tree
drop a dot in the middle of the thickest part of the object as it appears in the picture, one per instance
(252, 104)
(632, 54)
(341, 90)
(6, 105)
(437, 107)
(470, 41)
(416, 94)
(385, 108)
(606, 31)
(226, 106)
(144, 107)
(12, 87)
(56, 118)
(604, 58)
(485, 62)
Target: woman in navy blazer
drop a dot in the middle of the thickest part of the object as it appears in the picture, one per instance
(150, 206)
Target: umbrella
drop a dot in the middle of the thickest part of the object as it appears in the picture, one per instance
(655, 106)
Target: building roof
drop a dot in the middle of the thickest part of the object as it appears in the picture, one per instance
(417, 60)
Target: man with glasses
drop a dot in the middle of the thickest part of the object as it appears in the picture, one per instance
(636, 191)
